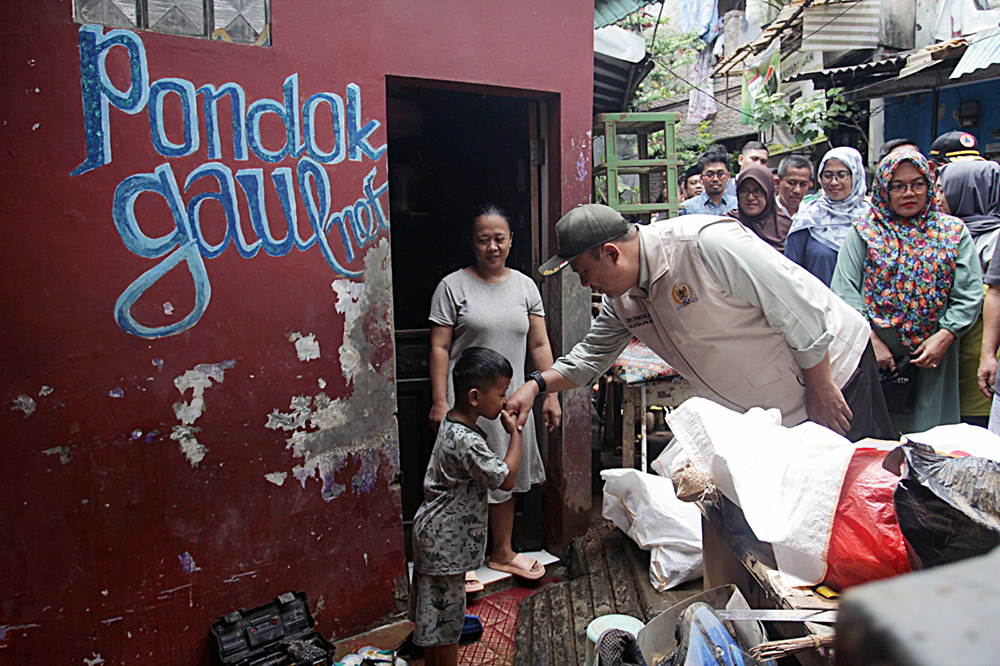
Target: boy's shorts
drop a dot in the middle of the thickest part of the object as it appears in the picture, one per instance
(437, 608)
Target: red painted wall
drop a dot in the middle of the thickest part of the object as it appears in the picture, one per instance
(152, 484)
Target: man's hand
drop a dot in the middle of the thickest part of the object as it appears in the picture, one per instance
(520, 403)
(826, 406)
(987, 375)
(551, 412)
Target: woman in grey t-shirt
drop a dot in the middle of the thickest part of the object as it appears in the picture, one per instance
(490, 305)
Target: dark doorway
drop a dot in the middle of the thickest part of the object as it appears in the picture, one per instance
(450, 152)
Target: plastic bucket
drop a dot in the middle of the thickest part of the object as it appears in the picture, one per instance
(601, 624)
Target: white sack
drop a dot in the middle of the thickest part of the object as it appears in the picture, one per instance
(786, 480)
(644, 507)
(959, 437)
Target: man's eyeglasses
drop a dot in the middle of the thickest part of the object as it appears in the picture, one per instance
(828, 176)
(712, 175)
(917, 186)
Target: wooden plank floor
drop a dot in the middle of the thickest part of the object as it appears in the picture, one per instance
(609, 574)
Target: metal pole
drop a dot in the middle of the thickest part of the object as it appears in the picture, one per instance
(642, 428)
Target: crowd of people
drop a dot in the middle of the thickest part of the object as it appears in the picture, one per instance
(909, 253)
(861, 313)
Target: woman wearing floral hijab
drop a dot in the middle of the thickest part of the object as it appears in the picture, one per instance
(820, 227)
(914, 274)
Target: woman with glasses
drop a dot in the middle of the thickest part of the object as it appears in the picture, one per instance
(821, 225)
(756, 206)
(914, 274)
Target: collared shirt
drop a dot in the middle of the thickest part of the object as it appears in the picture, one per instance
(703, 205)
(780, 205)
(738, 270)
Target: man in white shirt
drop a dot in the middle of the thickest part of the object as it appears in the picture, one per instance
(794, 179)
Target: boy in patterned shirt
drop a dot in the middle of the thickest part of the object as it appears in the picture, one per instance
(449, 529)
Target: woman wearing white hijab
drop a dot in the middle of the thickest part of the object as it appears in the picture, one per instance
(820, 227)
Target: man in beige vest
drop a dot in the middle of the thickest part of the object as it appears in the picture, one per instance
(747, 327)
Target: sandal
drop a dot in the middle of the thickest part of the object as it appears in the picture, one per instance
(472, 583)
(521, 565)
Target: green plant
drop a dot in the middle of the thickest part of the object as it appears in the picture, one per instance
(807, 118)
(689, 150)
(669, 50)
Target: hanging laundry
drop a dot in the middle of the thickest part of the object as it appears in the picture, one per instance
(701, 103)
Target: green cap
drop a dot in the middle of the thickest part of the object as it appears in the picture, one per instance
(583, 228)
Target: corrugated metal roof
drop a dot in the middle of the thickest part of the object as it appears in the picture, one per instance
(788, 19)
(983, 51)
(887, 65)
(842, 26)
(607, 12)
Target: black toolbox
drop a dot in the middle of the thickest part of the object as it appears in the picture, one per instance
(279, 633)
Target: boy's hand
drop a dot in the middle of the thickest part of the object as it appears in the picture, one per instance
(507, 421)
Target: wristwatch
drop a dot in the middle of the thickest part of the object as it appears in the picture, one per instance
(537, 376)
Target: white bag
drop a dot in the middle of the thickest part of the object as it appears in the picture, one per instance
(644, 507)
(786, 480)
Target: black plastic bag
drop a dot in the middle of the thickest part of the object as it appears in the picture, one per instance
(948, 508)
(617, 647)
(900, 386)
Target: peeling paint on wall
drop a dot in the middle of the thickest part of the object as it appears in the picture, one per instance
(117, 392)
(25, 403)
(364, 478)
(192, 449)
(94, 660)
(306, 346)
(46, 390)
(6, 628)
(198, 379)
(349, 295)
(61, 451)
(327, 433)
(277, 478)
(187, 563)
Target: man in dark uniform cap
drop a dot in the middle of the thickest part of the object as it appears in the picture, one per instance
(956, 146)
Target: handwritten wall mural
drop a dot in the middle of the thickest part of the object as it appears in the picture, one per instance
(305, 181)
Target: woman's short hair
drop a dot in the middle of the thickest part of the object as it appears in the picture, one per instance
(479, 367)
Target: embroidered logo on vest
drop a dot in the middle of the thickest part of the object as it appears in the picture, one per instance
(683, 296)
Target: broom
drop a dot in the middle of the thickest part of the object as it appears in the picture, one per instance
(777, 649)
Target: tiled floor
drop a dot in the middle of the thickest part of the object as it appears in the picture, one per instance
(499, 615)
